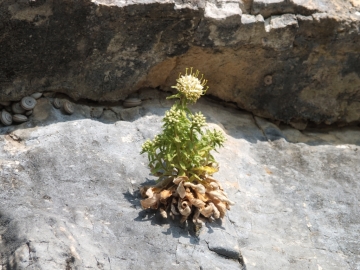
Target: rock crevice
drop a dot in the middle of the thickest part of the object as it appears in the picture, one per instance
(105, 50)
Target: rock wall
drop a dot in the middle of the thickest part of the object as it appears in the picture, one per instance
(291, 60)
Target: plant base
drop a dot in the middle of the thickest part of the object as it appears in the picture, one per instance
(180, 197)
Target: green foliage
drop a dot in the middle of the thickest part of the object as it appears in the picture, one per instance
(184, 146)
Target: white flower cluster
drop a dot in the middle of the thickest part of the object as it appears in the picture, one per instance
(172, 116)
(198, 120)
(147, 146)
(191, 86)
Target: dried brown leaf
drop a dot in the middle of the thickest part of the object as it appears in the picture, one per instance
(179, 179)
(214, 185)
(198, 203)
(152, 202)
(199, 187)
(181, 190)
(164, 195)
(189, 195)
(207, 211)
(163, 212)
(202, 197)
(184, 208)
(220, 196)
(221, 207)
(149, 193)
(212, 181)
(216, 213)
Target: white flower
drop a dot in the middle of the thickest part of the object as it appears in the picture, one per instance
(190, 86)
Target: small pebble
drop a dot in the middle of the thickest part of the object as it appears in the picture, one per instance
(132, 102)
(28, 103)
(68, 107)
(19, 118)
(96, 112)
(36, 95)
(17, 109)
(57, 103)
(6, 118)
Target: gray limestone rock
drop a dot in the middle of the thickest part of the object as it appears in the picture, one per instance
(69, 195)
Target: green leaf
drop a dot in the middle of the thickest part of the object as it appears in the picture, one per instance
(173, 96)
(182, 165)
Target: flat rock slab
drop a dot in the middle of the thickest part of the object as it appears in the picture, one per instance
(69, 194)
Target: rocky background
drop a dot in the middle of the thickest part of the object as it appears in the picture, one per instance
(69, 193)
(70, 178)
(293, 61)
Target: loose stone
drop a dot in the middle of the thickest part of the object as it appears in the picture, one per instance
(29, 112)
(28, 103)
(68, 107)
(19, 118)
(132, 102)
(97, 112)
(6, 118)
(57, 103)
(36, 95)
(17, 109)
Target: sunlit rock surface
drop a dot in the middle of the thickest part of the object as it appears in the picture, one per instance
(69, 194)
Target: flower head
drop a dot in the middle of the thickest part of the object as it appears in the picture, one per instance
(147, 146)
(198, 120)
(190, 86)
(218, 137)
(172, 116)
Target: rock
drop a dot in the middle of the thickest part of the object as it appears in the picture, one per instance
(132, 102)
(69, 195)
(20, 258)
(96, 112)
(109, 116)
(36, 95)
(298, 124)
(148, 93)
(130, 114)
(222, 9)
(309, 48)
(268, 8)
(224, 244)
(57, 103)
(44, 111)
(19, 118)
(16, 108)
(271, 131)
(68, 107)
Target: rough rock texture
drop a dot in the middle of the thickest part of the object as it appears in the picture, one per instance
(290, 60)
(69, 194)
